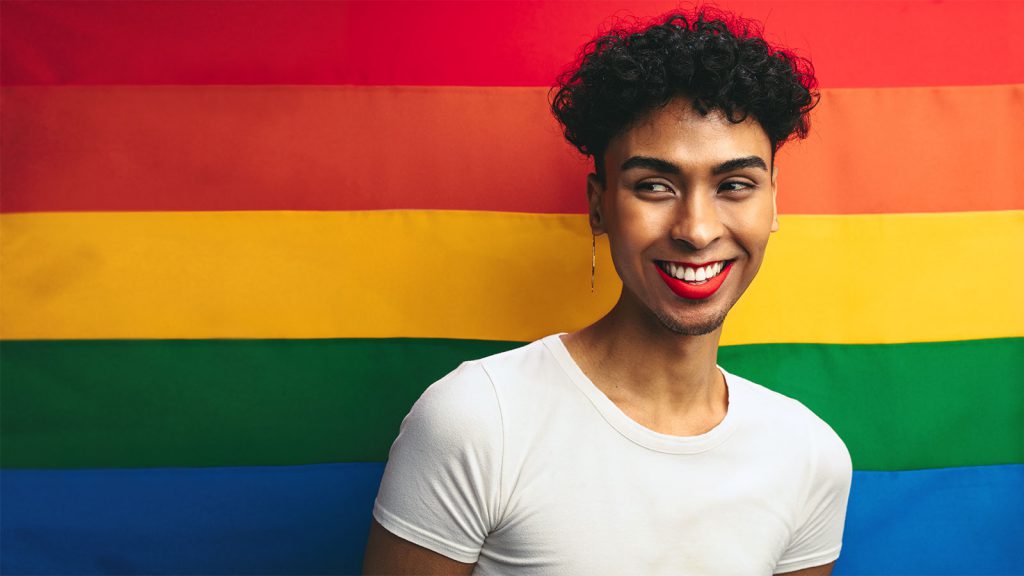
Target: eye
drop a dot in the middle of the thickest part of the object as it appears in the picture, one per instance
(735, 186)
(654, 188)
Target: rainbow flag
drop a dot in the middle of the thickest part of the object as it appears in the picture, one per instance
(240, 238)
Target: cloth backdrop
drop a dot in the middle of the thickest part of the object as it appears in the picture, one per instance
(240, 238)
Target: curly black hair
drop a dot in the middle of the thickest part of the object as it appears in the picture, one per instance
(719, 61)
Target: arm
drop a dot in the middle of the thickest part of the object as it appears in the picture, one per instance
(439, 495)
(389, 554)
(823, 570)
(818, 535)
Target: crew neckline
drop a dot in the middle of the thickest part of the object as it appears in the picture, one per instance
(638, 433)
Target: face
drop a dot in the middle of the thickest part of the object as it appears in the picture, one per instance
(688, 203)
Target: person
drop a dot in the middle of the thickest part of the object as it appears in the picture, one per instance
(623, 448)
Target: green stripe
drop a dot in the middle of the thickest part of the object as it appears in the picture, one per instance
(904, 406)
(69, 404)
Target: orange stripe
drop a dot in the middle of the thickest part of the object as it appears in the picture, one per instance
(908, 150)
(358, 148)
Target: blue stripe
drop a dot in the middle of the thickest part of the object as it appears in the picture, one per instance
(252, 520)
(313, 520)
(951, 521)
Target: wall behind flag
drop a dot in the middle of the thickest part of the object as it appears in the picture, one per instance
(240, 238)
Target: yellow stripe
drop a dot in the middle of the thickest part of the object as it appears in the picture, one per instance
(494, 276)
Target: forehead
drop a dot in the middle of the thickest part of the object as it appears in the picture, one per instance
(678, 133)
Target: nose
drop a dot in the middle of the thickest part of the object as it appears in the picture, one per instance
(697, 221)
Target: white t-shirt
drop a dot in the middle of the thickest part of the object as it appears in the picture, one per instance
(519, 463)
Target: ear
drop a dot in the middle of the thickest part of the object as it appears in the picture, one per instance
(775, 208)
(595, 192)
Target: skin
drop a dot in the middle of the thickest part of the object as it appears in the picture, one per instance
(677, 187)
(389, 554)
(654, 354)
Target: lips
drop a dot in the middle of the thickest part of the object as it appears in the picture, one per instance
(695, 289)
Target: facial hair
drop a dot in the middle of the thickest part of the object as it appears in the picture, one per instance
(705, 326)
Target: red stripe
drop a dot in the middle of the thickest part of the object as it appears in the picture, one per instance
(853, 43)
(477, 148)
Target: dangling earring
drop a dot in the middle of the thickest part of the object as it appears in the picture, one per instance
(593, 260)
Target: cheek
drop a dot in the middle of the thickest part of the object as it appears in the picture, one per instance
(631, 234)
(750, 225)
(634, 230)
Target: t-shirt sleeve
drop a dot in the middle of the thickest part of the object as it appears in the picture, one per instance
(818, 535)
(441, 486)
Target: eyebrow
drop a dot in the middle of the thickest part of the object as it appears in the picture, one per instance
(652, 163)
(669, 168)
(740, 163)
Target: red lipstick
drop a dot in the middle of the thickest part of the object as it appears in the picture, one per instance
(689, 291)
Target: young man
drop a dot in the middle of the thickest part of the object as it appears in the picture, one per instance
(623, 448)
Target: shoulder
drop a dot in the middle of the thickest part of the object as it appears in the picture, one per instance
(475, 380)
(459, 406)
(815, 466)
(798, 428)
(466, 387)
(524, 363)
(470, 397)
(441, 487)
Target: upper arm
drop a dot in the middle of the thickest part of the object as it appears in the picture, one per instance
(389, 554)
(823, 570)
(441, 485)
(818, 530)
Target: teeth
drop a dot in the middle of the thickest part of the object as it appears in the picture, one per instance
(694, 274)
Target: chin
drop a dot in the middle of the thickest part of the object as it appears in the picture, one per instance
(692, 326)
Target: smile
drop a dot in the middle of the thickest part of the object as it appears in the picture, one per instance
(693, 281)
(692, 272)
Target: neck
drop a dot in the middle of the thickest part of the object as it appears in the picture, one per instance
(655, 375)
